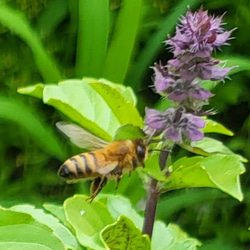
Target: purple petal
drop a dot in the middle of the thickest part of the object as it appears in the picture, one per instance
(219, 73)
(155, 119)
(160, 81)
(177, 96)
(194, 134)
(200, 94)
(173, 134)
(199, 122)
(222, 38)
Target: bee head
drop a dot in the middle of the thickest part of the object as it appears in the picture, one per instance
(141, 149)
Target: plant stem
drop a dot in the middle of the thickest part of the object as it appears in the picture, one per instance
(152, 199)
(153, 195)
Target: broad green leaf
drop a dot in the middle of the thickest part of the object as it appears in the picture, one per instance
(33, 90)
(23, 246)
(100, 108)
(8, 217)
(152, 167)
(121, 206)
(123, 234)
(15, 111)
(128, 182)
(181, 240)
(126, 91)
(208, 146)
(29, 234)
(56, 211)
(50, 221)
(215, 127)
(17, 23)
(217, 171)
(92, 40)
(123, 40)
(87, 220)
(19, 227)
(128, 131)
(124, 111)
(80, 102)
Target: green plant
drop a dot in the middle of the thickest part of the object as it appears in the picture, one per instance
(126, 65)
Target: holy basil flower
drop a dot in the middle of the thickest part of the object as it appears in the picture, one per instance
(175, 124)
(199, 34)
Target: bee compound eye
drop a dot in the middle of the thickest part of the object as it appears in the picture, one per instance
(140, 152)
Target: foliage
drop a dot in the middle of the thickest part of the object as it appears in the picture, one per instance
(80, 225)
(50, 41)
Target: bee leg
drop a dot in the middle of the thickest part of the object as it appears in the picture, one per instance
(117, 171)
(96, 187)
(118, 181)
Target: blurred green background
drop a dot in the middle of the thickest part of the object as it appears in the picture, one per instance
(30, 143)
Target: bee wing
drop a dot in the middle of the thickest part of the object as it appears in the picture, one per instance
(108, 168)
(80, 137)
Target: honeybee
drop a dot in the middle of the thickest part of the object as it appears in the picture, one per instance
(107, 160)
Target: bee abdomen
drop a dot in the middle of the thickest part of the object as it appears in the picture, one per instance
(79, 166)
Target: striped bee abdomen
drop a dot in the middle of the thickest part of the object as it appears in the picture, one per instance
(79, 166)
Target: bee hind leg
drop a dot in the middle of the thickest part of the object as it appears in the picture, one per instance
(96, 186)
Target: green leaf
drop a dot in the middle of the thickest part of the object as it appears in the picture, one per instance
(208, 146)
(29, 234)
(56, 211)
(128, 131)
(123, 40)
(54, 13)
(21, 228)
(16, 22)
(8, 217)
(92, 41)
(15, 111)
(152, 167)
(123, 234)
(215, 127)
(217, 171)
(33, 90)
(87, 107)
(87, 220)
(99, 107)
(121, 206)
(124, 111)
(126, 91)
(181, 240)
(128, 183)
(50, 221)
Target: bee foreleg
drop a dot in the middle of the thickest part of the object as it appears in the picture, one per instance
(96, 186)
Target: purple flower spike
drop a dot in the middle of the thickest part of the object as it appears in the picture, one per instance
(198, 33)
